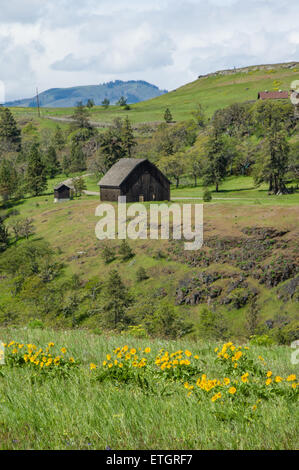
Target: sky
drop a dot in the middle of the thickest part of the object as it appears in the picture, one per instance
(62, 43)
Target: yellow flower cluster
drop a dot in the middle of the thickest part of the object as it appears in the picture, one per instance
(30, 354)
(230, 352)
(247, 382)
(291, 378)
(207, 385)
(164, 360)
(124, 357)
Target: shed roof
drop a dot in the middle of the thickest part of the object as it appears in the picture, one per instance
(120, 171)
(68, 183)
(273, 95)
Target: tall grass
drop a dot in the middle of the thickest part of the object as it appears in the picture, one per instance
(80, 413)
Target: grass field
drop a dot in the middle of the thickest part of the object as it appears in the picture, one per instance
(238, 190)
(40, 411)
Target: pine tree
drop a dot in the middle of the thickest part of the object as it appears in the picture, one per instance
(122, 101)
(168, 116)
(58, 139)
(77, 157)
(4, 236)
(141, 274)
(10, 135)
(127, 137)
(52, 163)
(117, 299)
(81, 117)
(112, 147)
(66, 164)
(90, 103)
(8, 179)
(125, 251)
(108, 253)
(106, 103)
(35, 178)
(217, 161)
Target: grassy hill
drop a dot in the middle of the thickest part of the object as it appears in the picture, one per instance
(133, 90)
(213, 92)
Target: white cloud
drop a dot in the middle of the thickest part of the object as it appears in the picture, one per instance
(168, 42)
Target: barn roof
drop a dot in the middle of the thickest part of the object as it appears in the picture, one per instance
(273, 95)
(67, 183)
(120, 171)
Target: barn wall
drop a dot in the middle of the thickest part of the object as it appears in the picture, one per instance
(63, 193)
(147, 181)
(110, 194)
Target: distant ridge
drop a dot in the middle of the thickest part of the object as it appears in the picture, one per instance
(134, 90)
(252, 68)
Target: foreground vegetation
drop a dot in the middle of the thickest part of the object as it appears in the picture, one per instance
(125, 392)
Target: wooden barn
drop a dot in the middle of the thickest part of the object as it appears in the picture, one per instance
(137, 179)
(273, 95)
(63, 192)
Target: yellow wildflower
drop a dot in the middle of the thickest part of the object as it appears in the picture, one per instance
(244, 378)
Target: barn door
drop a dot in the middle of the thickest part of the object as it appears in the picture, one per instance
(146, 181)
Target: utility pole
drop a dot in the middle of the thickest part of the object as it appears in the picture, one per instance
(37, 99)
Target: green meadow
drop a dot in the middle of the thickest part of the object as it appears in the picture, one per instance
(79, 411)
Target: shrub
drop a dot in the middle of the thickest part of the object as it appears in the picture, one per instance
(35, 324)
(141, 274)
(207, 196)
(125, 251)
(108, 254)
(137, 331)
(212, 325)
(167, 322)
(262, 340)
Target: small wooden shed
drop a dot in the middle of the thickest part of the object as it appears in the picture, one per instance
(137, 179)
(62, 192)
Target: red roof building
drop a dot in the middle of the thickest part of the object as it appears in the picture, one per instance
(273, 95)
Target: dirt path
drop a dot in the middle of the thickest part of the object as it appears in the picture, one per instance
(91, 193)
(69, 120)
(216, 198)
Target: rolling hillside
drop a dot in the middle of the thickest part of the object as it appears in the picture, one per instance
(134, 91)
(213, 91)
